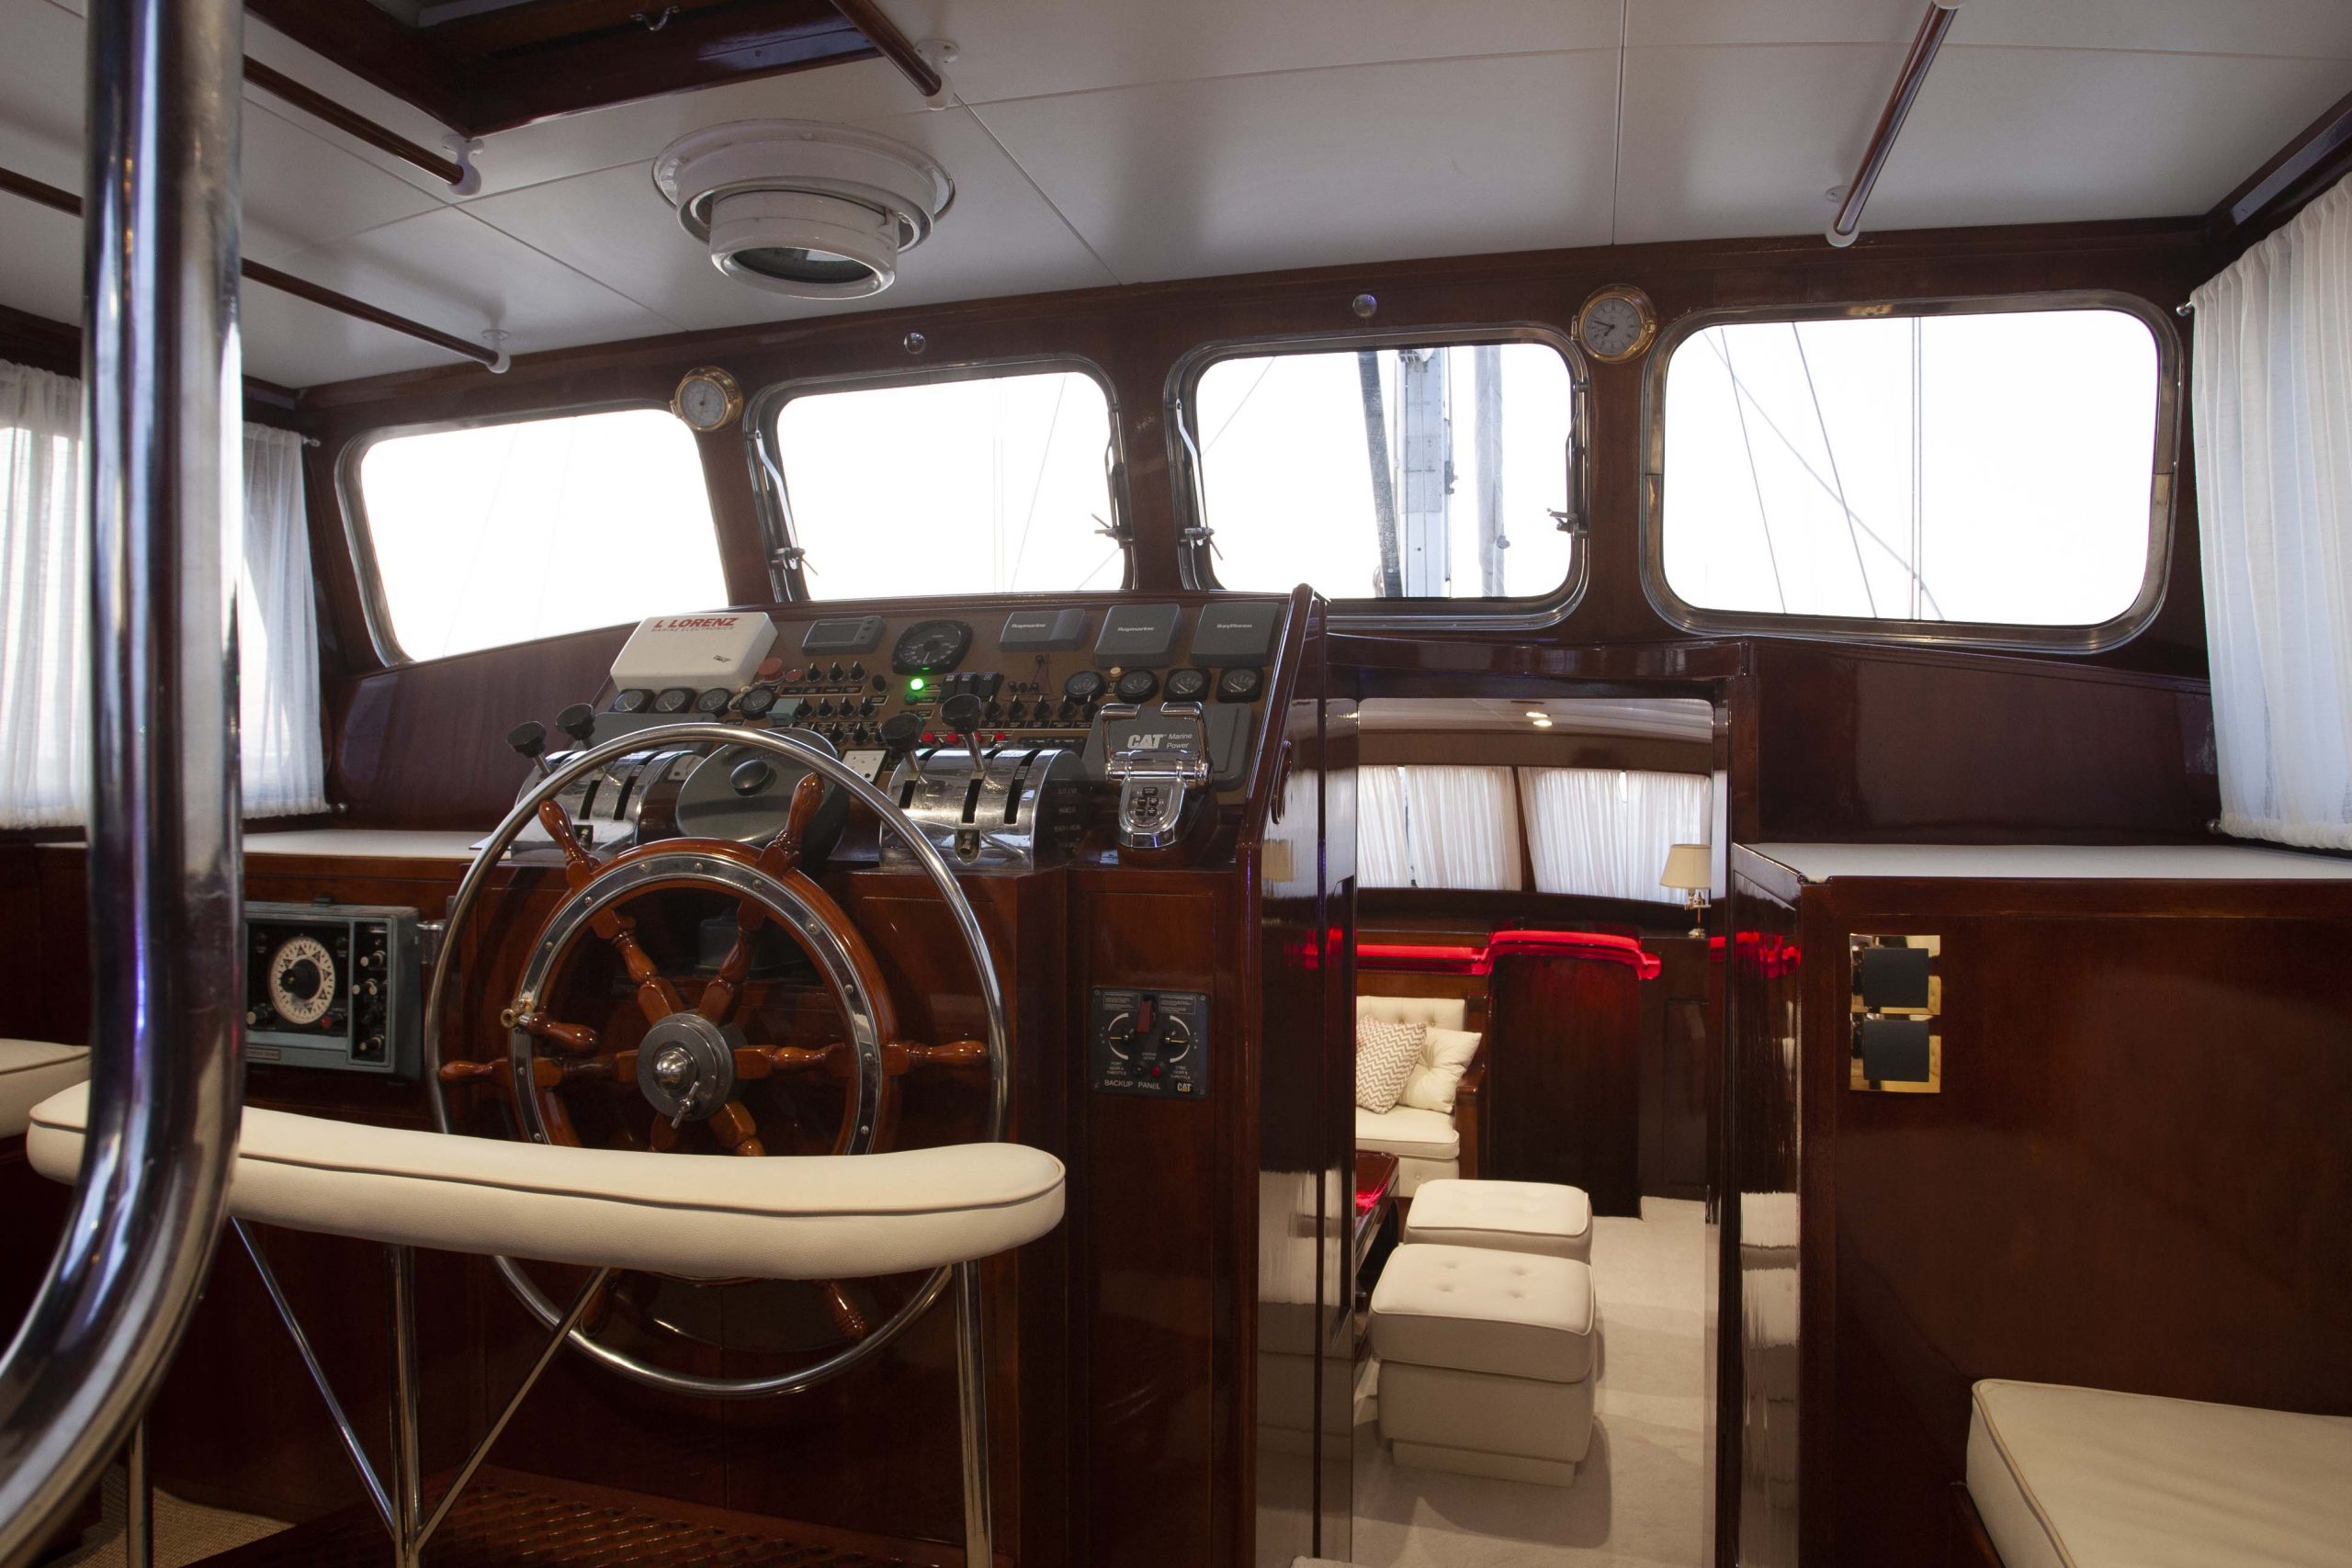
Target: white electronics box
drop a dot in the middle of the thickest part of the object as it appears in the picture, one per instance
(723, 648)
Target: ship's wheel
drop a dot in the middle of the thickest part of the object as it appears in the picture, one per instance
(702, 997)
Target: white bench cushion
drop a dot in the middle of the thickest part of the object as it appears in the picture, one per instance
(2087, 1478)
(30, 1071)
(1510, 1216)
(706, 1216)
(1452, 1418)
(1417, 1134)
(1475, 1310)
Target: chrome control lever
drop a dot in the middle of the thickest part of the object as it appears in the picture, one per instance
(1158, 775)
(962, 714)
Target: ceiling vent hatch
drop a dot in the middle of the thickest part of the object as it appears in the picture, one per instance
(797, 208)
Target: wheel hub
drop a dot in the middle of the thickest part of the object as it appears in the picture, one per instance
(685, 1067)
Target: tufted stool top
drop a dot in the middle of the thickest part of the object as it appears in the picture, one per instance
(1510, 1216)
(1476, 1310)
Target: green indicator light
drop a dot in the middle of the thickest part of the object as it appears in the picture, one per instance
(917, 683)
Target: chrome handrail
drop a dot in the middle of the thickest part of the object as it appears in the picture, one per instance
(161, 371)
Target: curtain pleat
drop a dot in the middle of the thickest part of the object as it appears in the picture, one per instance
(44, 569)
(2271, 405)
(1436, 828)
(1603, 832)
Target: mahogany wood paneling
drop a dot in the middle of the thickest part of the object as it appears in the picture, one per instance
(1564, 1075)
(1679, 1011)
(2135, 1178)
(1895, 746)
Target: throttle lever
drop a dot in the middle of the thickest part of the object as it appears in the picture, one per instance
(530, 739)
(579, 721)
(898, 733)
(962, 713)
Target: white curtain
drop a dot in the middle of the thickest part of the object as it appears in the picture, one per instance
(1603, 832)
(1436, 828)
(44, 616)
(2271, 402)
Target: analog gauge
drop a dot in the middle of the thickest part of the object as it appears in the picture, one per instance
(674, 699)
(1083, 686)
(757, 701)
(930, 648)
(1187, 685)
(714, 701)
(1240, 684)
(708, 400)
(632, 699)
(1137, 686)
(302, 980)
(1616, 324)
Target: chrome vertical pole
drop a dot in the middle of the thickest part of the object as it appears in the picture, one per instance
(138, 1503)
(406, 1482)
(972, 1417)
(161, 391)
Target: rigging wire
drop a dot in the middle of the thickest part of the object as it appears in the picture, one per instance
(1263, 371)
(1830, 447)
(1722, 346)
(1815, 475)
(1037, 485)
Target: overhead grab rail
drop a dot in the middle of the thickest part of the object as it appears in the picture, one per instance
(459, 172)
(493, 359)
(1846, 227)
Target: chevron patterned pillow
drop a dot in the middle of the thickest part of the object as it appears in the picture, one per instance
(1386, 1054)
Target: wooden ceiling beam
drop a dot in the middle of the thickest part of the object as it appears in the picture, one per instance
(2315, 159)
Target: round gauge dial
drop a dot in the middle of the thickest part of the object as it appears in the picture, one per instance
(714, 701)
(1240, 684)
(1187, 685)
(302, 980)
(930, 648)
(757, 701)
(708, 400)
(1137, 686)
(1616, 324)
(674, 699)
(631, 699)
(1083, 686)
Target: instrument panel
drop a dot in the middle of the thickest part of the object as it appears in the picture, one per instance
(1066, 695)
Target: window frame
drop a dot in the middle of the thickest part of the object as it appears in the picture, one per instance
(2164, 455)
(359, 536)
(1197, 567)
(781, 549)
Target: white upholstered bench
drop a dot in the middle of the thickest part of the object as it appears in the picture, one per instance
(713, 1216)
(1485, 1361)
(2087, 1478)
(1542, 1217)
(30, 1071)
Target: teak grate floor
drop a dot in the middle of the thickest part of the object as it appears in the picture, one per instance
(505, 1520)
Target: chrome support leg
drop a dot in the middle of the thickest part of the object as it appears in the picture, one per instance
(352, 1445)
(972, 1417)
(406, 1485)
(137, 1503)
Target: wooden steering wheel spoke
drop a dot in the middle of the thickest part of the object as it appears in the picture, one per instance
(575, 1039)
(737, 1133)
(848, 1321)
(902, 1058)
(755, 1062)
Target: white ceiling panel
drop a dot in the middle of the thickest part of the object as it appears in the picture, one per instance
(302, 192)
(2302, 28)
(1320, 167)
(999, 237)
(41, 261)
(1726, 142)
(1018, 49)
(449, 271)
(296, 344)
(2051, 136)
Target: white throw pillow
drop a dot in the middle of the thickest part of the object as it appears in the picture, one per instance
(1445, 1057)
(1386, 1054)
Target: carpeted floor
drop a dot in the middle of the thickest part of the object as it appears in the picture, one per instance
(184, 1532)
(1637, 1501)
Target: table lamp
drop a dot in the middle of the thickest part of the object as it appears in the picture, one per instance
(1690, 867)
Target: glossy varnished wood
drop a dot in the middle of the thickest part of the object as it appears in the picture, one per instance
(1564, 1035)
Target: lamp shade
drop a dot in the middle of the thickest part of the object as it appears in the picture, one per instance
(1689, 866)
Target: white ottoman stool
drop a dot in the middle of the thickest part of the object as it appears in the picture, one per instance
(1509, 1216)
(1485, 1361)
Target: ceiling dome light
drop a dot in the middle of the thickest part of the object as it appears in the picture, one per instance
(794, 207)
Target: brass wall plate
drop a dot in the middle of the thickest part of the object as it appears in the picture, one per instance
(1891, 1023)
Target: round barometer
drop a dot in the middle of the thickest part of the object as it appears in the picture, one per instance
(708, 400)
(1617, 323)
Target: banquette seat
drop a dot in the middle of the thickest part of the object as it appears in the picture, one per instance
(30, 1071)
(2088, 1478)
(1428, 1144)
